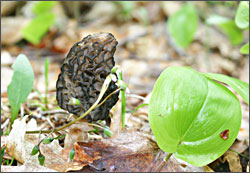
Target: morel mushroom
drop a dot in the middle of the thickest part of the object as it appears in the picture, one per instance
(82, 74)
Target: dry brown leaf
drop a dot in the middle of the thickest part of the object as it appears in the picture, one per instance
(20, 145)
(233, 160)
(129, 151)
(77, 133)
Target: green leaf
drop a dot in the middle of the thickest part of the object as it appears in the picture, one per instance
(183, 24)
(138, 107)
(35, 150)
(2, 153)
(41, 159)
(245, 49)
(232, 31)
(242, 15)
(48, 140)
(60, 137)
(188, 112)
(21, 84)
(107, 132)
(242, 88)
(43, 7)
(127, 7)
(38, 27)
(72, 154)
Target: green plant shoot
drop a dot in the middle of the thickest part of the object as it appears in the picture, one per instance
(20, 85)
(37, 28)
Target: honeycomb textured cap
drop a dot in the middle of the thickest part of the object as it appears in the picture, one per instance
(83, 72)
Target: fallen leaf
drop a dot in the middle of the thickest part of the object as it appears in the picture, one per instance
(77, 133)
(130, 151)
(20, 145)
(233, 160)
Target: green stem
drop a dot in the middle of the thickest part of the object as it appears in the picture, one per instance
(138, 107)
(123, 97)
(123, 107)
(169, 155)
(46, 70)
(243, 155)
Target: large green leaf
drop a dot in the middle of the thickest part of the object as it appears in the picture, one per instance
(242, 88)
(188, 112)
(183, 24)
(20, 85)
(242, 15)
(38, 27)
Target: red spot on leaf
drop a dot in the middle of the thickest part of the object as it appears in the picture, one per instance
(224, 134)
